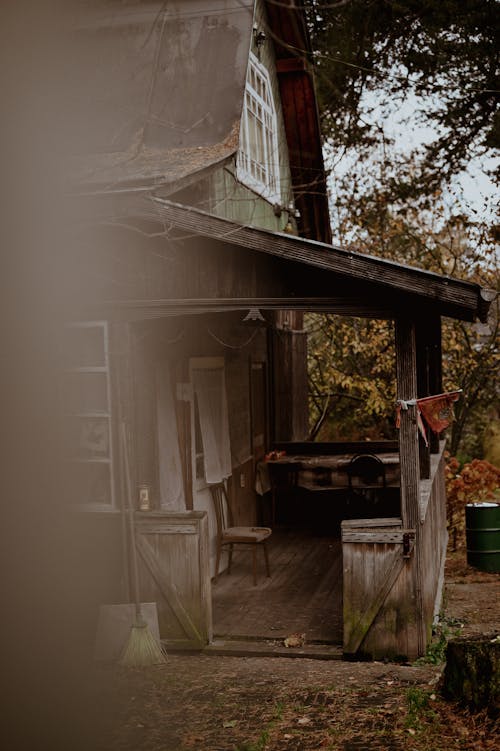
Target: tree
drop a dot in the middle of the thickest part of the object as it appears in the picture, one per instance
(373, 56)
(443, 53)
(351, 361)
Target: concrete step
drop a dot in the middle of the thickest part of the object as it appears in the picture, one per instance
(231, 647)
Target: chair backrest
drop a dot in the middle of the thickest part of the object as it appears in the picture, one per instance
(369, 468)
(223, 513)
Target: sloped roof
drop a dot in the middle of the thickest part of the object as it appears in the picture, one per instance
(368, 284)
(157, 94)
(158, 88)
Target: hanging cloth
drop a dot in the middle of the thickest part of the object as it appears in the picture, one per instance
(170, 468)
(210, 389)
(436, 411)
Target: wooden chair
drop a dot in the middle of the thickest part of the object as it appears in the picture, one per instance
(229, 535)
(370, 470)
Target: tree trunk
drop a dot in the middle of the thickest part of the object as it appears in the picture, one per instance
(472, 672)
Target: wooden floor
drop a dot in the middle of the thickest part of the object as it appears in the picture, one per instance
(304, 593)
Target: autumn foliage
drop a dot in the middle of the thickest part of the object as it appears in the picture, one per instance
(474, 482)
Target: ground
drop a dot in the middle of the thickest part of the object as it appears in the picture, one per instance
(210, 703)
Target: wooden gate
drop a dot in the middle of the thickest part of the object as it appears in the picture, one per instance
(379, 597)
(174, 573)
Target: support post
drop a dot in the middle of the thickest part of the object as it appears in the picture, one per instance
(406, 370)
(435, 369)
(423, 389)
(289, 362)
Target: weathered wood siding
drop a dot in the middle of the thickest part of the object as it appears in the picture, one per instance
(433, 540)
(379, 598)
(385, 613)
(174, 573)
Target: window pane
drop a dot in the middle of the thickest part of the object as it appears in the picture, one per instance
(84, 347)
(87, 438)
(90, 482)
(258, 160)
(85, 392)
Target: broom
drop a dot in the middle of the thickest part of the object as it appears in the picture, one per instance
(142, 649)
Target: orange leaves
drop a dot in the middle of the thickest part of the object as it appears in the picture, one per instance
(476, 481)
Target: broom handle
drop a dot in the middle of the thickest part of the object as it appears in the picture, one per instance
(133, 549)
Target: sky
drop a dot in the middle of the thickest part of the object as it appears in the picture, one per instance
(472, 191)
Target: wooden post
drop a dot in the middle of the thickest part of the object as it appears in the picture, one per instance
(435, 369)
(423, 389)
(144, 469)
(289, 362)
(406, 370)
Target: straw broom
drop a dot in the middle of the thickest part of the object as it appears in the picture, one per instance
(142, 649)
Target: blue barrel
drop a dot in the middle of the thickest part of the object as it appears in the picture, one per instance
(483, 536)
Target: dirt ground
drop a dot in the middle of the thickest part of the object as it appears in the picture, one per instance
(209, 703)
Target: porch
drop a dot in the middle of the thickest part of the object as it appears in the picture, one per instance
(393, 580)
(303, 594)
(302, 597)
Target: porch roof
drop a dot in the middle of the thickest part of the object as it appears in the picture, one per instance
(369, 285)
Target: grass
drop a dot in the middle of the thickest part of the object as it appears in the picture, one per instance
(443, 631)
(419, 711)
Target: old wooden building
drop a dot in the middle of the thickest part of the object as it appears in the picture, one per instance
(204, 236)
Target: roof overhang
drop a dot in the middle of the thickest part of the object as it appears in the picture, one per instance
(359, 284)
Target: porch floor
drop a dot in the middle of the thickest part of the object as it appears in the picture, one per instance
(303, 594)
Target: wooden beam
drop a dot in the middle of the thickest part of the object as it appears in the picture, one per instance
(423, 388)
(460, 299)
(435, 369)
(406, 370)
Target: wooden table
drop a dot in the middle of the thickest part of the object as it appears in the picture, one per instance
(329, 471)
(323, 478)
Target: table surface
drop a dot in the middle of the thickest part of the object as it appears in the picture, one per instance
(332, 465)
(329, 461)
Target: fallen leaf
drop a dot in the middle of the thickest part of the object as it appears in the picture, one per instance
(411, 731)
(230, 724)
(304, 720)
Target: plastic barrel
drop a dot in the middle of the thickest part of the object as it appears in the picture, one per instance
(483, 536)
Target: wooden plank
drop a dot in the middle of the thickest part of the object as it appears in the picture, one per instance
(406, 372)
(380, 536)
(371, 523)
(169, 593)
(435, 371)
(304, 593)
(357, 630)
(408, 433)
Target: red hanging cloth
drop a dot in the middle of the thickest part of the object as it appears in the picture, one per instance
(437, 411)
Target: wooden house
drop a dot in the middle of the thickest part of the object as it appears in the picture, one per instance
(204, 237)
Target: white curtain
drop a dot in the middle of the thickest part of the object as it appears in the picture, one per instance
(171, 483)
(210, 389)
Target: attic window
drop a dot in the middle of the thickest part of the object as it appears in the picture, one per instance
(258, 158)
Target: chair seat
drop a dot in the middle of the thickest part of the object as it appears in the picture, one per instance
(246, 534)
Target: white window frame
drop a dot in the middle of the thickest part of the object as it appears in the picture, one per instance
(104, 414)
(257, 162)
